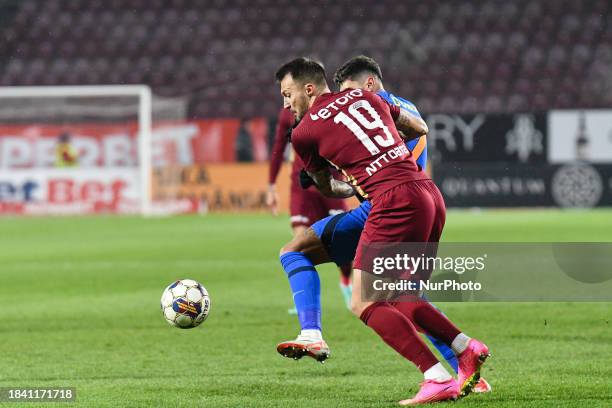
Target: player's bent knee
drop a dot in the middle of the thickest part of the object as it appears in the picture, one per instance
(300, 243)
(310, 245)
(292, 246)
(285, 249)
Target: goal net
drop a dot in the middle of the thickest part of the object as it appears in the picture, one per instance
(90, 150)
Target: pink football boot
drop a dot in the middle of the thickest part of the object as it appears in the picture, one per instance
(482, 387)
(470, 362)
(432, 391)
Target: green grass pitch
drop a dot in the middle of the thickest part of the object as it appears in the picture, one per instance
(79, 307)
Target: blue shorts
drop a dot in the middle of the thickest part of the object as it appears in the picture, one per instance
(340, 233)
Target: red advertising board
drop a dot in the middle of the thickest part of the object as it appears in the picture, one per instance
(115, 144)
(69, 191)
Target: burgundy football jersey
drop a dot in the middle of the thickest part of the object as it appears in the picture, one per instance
(355, 131)
(281, 138)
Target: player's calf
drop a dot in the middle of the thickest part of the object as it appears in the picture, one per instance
(357, 304)
(305, 285)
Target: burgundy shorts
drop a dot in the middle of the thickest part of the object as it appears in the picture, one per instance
(409, 212)
(309, 206)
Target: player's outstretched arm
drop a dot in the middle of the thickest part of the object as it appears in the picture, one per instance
(329, 186)
(410, 126)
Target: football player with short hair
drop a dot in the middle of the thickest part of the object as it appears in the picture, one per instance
(334, 238)
(357, 131)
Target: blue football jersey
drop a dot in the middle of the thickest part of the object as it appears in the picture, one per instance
(418, 146)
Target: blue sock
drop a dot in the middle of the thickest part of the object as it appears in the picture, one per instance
(306, 288)
(446, 351)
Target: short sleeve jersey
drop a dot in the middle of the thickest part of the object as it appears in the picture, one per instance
(354, 130)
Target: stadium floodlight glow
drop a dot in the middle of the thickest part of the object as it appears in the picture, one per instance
(142, 92)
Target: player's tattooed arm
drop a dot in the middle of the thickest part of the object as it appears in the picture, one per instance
(329, 186)
(410, 126)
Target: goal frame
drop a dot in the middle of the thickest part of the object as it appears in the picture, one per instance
(144, 95)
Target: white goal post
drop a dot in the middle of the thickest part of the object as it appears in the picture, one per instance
(144, 113)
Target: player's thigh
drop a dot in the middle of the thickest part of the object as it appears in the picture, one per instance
(407, 220)
(405, 214)
(440, 215)
(339, 235)
(309, 244)
(438, 223)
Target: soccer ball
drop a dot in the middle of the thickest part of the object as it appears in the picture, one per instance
(185, 304)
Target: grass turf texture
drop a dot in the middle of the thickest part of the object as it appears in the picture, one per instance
(80, 308)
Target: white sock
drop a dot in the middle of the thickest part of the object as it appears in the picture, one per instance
(460, 343)
(312, 334)
(437, 373)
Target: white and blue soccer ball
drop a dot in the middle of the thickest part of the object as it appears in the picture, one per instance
(185, 304)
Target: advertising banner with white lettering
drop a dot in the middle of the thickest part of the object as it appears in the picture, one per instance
(568, 185)
(115, 144)
(217, 187)
(487, 138)
(69, 191)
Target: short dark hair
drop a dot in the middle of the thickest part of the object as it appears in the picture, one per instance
(356, 66)
(302, 70)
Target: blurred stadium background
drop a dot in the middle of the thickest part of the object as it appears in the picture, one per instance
(512, 91)
(518, 98)
(491, 56)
